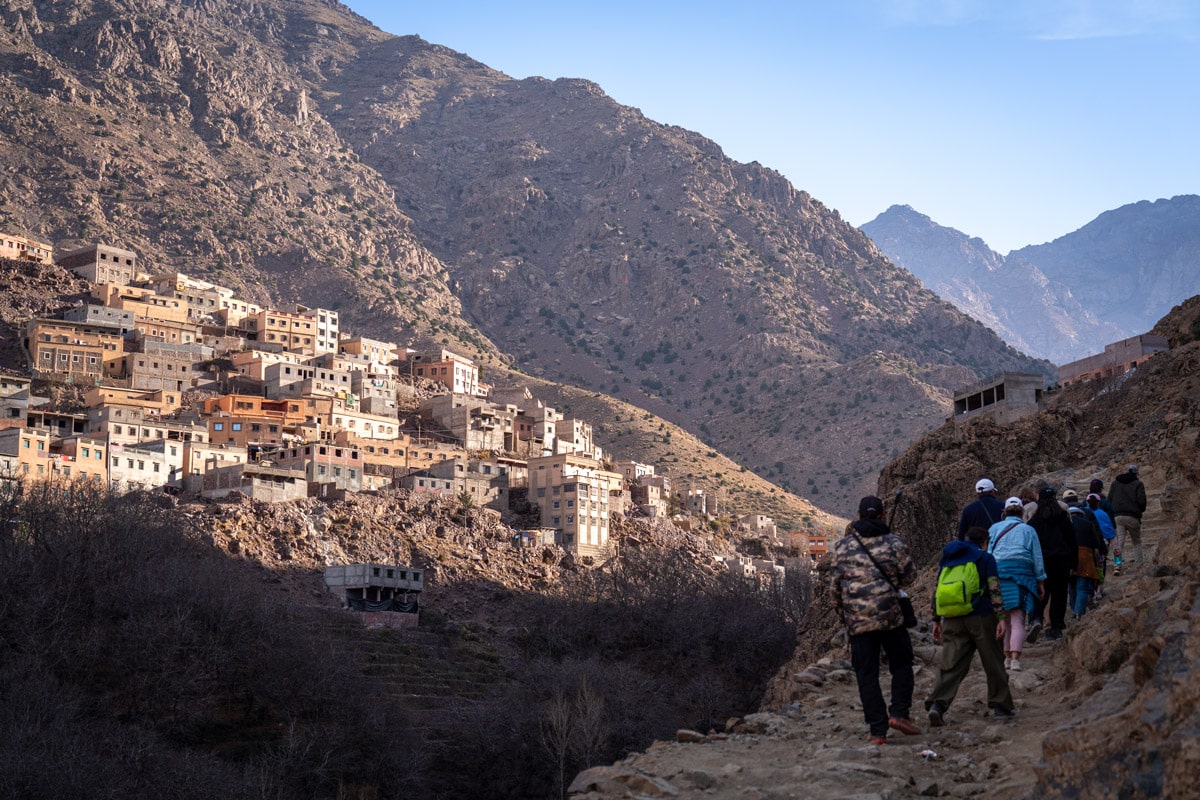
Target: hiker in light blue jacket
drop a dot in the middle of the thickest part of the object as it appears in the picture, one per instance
(1018, 555)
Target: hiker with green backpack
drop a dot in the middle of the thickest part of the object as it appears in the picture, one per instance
(969, 618)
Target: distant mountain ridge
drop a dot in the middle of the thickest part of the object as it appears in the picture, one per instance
(1113, 278)
(292, 150)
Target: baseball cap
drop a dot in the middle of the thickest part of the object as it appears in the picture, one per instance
(1070, 495)
(1093, 496)
(985, 485)
(870, 506)
(1013, 502)
(1075, 510)
(1096, 485)
(1048, 491)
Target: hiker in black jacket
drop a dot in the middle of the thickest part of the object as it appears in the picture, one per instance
(1061, 554)
(1128, 496)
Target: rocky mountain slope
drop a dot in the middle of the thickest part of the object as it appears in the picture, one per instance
(1109, 711)
(1112, 278)
(291, 149)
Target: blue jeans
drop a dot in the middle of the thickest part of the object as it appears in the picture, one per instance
(1081, 594)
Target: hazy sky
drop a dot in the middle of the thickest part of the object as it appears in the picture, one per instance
(1017, 121)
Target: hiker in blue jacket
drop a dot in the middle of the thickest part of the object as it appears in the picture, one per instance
(1018, 555)
(979, 629)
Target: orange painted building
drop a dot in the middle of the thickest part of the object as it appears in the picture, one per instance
(20, 248)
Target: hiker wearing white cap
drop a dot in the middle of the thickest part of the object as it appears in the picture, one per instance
(1018, 555)
(984, 512)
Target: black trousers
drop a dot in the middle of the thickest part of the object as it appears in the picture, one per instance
(1058, 582)
(864, 654)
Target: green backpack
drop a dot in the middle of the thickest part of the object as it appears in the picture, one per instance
(957, 589)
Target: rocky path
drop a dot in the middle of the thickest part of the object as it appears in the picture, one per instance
(816, 747)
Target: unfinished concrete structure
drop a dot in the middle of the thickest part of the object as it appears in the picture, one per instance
(385, 594)
(1117, 359)
(101, 263)
(1005, 398)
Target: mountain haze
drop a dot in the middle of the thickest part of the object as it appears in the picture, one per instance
(1111, 279)
(294, 151)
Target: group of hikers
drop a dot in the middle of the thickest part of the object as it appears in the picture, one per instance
(1012, 573)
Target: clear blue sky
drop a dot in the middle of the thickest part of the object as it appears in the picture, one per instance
(1017, 121)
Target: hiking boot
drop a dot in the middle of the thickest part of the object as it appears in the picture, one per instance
(1003, 713)
(1035, 630)
(936, 713)
(873, 739)
(904, 725)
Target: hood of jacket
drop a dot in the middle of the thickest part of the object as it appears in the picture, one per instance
(957, 553)
(870, 527)
(1126, 477)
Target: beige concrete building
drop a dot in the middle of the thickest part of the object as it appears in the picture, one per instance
(172, 367)
(573, 494)
(1009, 397)
(143, 303)
(1117, 359)
(457, 373)
(21, 248)
(101, 263)
(58, 348)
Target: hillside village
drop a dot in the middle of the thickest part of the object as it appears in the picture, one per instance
(182, 386)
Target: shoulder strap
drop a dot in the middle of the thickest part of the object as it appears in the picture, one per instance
(1002, 535)
(854, 533)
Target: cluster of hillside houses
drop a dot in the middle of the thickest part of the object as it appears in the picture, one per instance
(294, 406)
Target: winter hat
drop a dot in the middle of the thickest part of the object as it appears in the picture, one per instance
(870, 507)
(1132, 468)
(984, 485)
(1013, 502)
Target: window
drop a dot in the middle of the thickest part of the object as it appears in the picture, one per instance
(556, 504)
(237, 426)
(555, 521)
(218, 426)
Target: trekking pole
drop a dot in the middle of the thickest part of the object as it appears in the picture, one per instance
(895, 505)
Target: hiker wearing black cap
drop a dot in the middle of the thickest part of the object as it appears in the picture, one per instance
(1128, 496)
(1096, 487)
(983, 512)
(1061, 554)
(1086, 574)
(870, 566)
